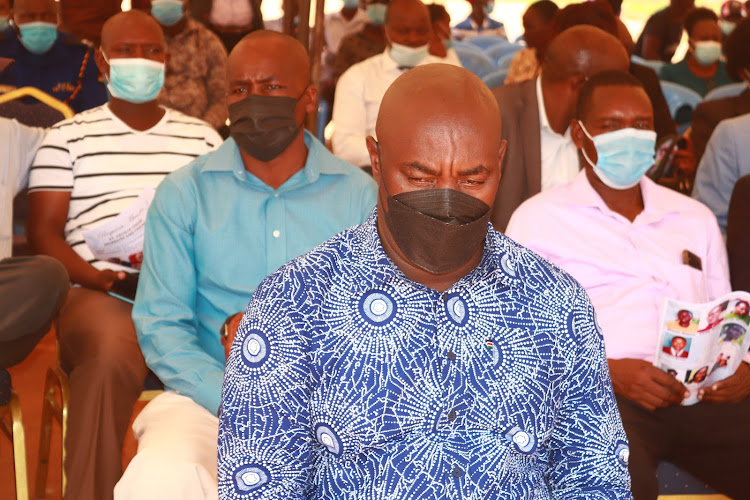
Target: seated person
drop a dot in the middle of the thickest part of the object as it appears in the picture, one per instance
(676, 347)
(708, 114)
(216, 228)
(84, 18)
(47, 59)
(4, 14)
(441, 43)
(349, 20)
(399, 360)
(723, 164)
(197, 64)
(479, 22)
(360, 89)
(663, 31)
(89, 169)
(701, 69)
(538, 31)
(738, 238)
(731, 13)
(32, 289)
(622, 237)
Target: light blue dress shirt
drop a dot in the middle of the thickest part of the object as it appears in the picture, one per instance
(726, 160)
(213, 232)
(347, 380)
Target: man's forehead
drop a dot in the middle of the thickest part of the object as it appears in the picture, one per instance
(34, 6)
(609, 99)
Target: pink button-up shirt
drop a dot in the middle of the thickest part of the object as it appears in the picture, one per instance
(627, 268)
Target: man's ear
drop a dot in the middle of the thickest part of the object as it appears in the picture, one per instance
(576, 133)
(374, 152)
(100, 62)
(311, 93)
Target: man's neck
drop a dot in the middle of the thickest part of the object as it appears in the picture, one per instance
(626, 202)
(439, 282)
(348, 13)
(478, 16)
(700, 70)
(175, 29)
(557, 115)
(276, 172)
(138, 116)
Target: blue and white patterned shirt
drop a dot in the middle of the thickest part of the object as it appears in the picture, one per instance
(348, 380)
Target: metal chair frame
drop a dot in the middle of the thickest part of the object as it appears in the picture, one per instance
(11, 423)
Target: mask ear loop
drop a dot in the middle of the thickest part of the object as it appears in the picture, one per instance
(583, 150)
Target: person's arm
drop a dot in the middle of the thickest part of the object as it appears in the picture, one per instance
(216, 58)
(717, 173)
(701, 127)
(264, 424)
(588, 446)
(652, 47)
(26, 140)
(350, 119)
(164, 312)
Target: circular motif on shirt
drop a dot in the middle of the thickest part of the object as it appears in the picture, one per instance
(522, 440)
(377, 307)
(507, 265)
(328, 438)
(255, 348)
(251, 477)
(623, 454)
(457, 310)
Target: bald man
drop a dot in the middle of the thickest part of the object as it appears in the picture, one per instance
(47, 59)
(360, 89)
(216, 228)
(422, 355)
(89, 170)
(537, 113)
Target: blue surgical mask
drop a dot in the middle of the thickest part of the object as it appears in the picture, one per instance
(448, 42)
(623, 156)
(167, 12)
(376, 13)
(488, 8)
(134, 79)
(38, 37)
(707, 52)
(408, 56)
(351, 4)
(726, 26)
(4, 23)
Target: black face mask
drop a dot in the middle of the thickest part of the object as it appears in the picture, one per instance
(263, 126)
(438, 230)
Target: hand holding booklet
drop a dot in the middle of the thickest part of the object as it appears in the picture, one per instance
(700, 344)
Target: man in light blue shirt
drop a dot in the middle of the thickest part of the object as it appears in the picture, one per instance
(726, 160)
(422, 355)
(215, 229)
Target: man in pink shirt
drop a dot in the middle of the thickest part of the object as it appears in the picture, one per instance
(623, 238)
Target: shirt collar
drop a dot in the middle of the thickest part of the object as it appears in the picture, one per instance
(191, 25)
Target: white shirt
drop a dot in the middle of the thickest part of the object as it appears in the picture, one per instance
(627, 268)
(355, 109)
(231, 13)
(559, 153)
(337, 27)
(104, 165)
(19, 144)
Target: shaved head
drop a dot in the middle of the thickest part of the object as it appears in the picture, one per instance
(133, 23)
(290, 55)
(583, 50)
(398, 9)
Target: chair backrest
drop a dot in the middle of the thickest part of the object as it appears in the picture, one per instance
(738, 237)
(675, 481)
(655, 65)
(45, 112)
(496, 78)
(484, 41)
(504, 61)
(476, 62)
(499, 50)
(731, 90)
(681, 101)
(458, 44)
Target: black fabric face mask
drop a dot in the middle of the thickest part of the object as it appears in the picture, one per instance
(263, 126)
(438, 230)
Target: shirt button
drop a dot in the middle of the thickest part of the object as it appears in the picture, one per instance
(452, 416)
(457, 472)
(276, 233)
(451, 355)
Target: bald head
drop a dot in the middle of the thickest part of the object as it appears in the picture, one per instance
(280, 52)
(133, 25)
(583, 50)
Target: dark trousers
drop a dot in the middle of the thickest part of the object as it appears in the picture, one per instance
(710, 441)
(32, 289)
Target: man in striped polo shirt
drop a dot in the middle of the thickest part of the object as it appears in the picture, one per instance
(89, 169)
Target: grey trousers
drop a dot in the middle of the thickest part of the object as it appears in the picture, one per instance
(99, 350)
(32, 289)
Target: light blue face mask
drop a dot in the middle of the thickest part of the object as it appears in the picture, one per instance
(707, 52)
(4, 23)
(488, 8)
(351, 4)
(448, 42)
(376, 13)
(167, 12)
(623, 156)
(38, 37)
(135, 79)
(408, 56)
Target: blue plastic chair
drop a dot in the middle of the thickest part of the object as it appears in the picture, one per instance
(521, 39)
(654, 65)
(504, 62)
(681, 101)
(476, 62)
(496, 78)
(484, 41)
(731, 90)
(675, 481)
(466, 46)
(499, 50)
